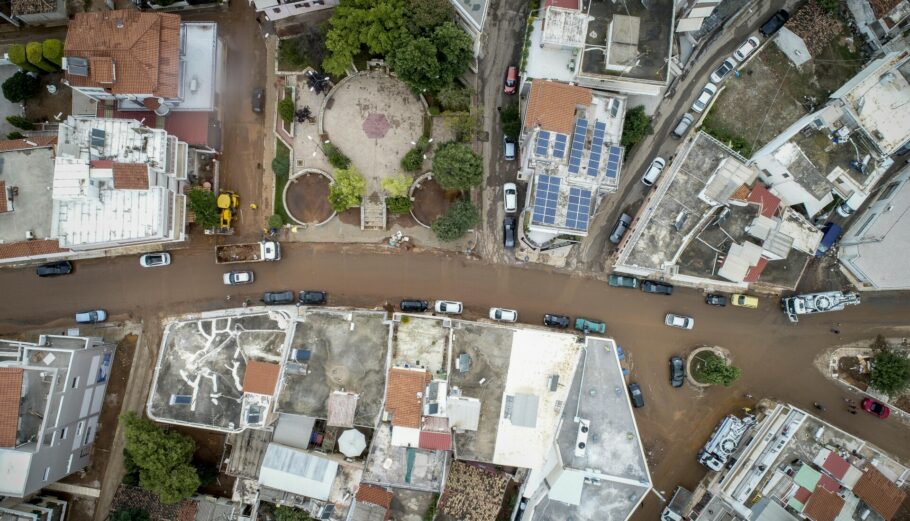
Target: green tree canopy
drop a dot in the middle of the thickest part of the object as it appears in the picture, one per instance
(454, 97)
(397, 185)
(431, 63)
(380, 26)
(511, 123)
(426, 15)
(461, 217)
(636, 127)
(890, 372)
(129, 514)
(17, 56)
(457, 167)
(275, 221)
(284, 513)
(203, 204)
(712, 369)
(20, 87)
(163, 458)
(455, 50)
(348, 188)
(52, 49)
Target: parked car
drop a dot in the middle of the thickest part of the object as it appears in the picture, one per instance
(831, 235)
(503, 315)
(312, 298)
(774, 23)
(677, 371)
(680, 321)
(153, 260)
(683, 126)
(622, 281)
(649, 286)
(510, 85)
(747, 48)
(638, 399)
(91, 317)
(653, 171)
(449, 307)
(258, 99)
(704, 98)
(278, 297)
(590, 326)
(413, 306)
(744, 301)
(723, 70)
(508, 148)
(557, 321)
(55, 269)
(510, 197)
(232, 278)
(508, 232)
(875, 407)
(620, 228)
(716, 300)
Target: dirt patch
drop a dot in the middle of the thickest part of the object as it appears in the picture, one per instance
(210, 448)
(308, 198)
(852, 370)
(401, 221)
(350, 216)
(431, 201)
(45, 106)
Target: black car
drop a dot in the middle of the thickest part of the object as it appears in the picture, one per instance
(55, 269)
(278, 297)
(774, 23)
(508, 232)
(560, 321)
(619, 230)
(258, 99)
(312, 298)
(677, 371)
(649, 286)
(716, 300)
(414, 306)
(638, 399)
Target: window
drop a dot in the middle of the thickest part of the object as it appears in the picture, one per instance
(88, 435)
(888, 190)
(76, 381)
(786, 175)
(866, 223)
(79, 427)
(47, 473)
(64, 432)
(49, 438)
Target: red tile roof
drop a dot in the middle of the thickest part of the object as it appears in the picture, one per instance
(402, 398)
(836, 465)
(375, 495)
(3, 200)
(879, 492)
(10, 396)
(823, 505)
(435, 440)
(261, 377)
(8, 145)
(144, 49)
(190, 127)
(829, 483)
(802, 495)
(755, 272)
(14, 250)
(768, 202)
(101, 69)
(131, 176)
(552, 105)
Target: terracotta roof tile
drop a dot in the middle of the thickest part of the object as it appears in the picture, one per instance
(375, 495)
(765, 199)
(101, 69)
(879, 492)
(823, 505)
(402, 398)
(3, 200)
(131, 176)
(836, 465)
(10, 395)
(8, 145)
(14, 250)
(189, 126)
(143, 47)
(755, 272)
(552, 105)
(261, 377)
(435, 440)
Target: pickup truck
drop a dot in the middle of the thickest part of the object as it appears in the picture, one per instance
(247, 252)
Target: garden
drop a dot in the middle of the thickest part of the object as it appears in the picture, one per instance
(39, 65)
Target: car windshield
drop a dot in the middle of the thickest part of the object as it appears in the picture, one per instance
(876, 408)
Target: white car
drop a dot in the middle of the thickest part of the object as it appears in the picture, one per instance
(504, 315)
(653, 171)
(679, 321)
(153, 260)
(721, 72)
(704, 98)
(449, 307)
(510, 197)
(747, 48)
(233, 278)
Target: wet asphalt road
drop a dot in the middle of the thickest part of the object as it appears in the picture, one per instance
(776, 356)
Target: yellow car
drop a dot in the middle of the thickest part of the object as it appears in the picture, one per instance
(744, 301)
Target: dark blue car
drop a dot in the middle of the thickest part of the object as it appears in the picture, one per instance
(831, 235)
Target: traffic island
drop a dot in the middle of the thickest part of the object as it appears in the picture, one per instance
(710, 365)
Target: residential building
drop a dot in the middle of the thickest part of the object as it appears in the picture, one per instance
(145, 61)
(372, 504)
(275, 10)
(472, 16)
(709, 223)
(39, 12)
(880, 22)
(878, 237)
(619, 47)
(51, 394)
(37, 508)
(571, 156)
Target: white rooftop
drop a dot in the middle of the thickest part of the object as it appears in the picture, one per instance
(14, 466)
(565, 27)
(199, 46)
(298, 472)
(118, 140)
(549, 62)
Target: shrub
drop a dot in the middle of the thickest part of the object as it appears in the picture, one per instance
(636, 127)
(397, 185)
(712, 369)
(52, 49)
(336, 158)
(34, 52)
(461, 217)
(286, 513)
(347, 190)
(398, 205)
(890, 372)
(16, 55)
(20, 122)
(20, 87)
(511, 123)
(457, 167)
(275, 221)
(454, 97)
(286, 110)
(129, 514)
(412, 161)
(203, 203)
(15, 135)
(281, 163)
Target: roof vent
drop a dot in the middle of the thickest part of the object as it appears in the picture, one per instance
(119, 23)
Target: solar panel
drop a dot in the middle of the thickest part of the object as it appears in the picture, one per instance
(614, 156)
(579, 209)
(559, 149)
(543, 143)
(545, 199)
(578, 145)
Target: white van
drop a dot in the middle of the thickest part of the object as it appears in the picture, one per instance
(653, 172)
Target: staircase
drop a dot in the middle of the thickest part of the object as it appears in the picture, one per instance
(372, 213)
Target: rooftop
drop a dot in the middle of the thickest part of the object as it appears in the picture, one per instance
(31, 173)
(298, 472)
(473, 493)
(553, 105)
(10, 397)
(473, 11)
(403, 395)
(27, 7)
(406, 467)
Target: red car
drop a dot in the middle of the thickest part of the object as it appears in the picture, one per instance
(511, 83)
(877, 408)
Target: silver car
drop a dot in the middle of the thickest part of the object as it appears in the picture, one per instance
(232, 278)
(704, 98)
(91, 317)
(449, 307)
(679, 321)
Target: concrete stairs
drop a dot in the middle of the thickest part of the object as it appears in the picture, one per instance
(372, 213)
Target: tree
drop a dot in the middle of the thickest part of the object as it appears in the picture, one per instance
(378, 26)
(457, 167)
(714, 370)
(460, 217)
(204, 205)
(335, 156)
(275, 221)
(426, 15)
(465, 125)
(129, 514)
(415, 63)
(15, 135)
(511, 124)
(20, 122)
(20, 87)
(305, 49)
(34, 52)
(286, 110)
(17, 57)
(454, 97)
(397, 185)
(890, 372)
(412, 160)
(347, 190)
(636, 127)
(163, 458)
(283, 513)
(455, 51)
(398, 205)
(52, 49)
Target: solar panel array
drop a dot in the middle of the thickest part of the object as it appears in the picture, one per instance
(578, 145)
(597, 144)
(545, 199)
(559, 150)
(613, 158)
(543, 143)
(579, 209)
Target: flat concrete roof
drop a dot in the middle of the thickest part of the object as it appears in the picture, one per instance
(391, 466)
(32, 172)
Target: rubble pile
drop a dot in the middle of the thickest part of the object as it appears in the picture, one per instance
(815, 26)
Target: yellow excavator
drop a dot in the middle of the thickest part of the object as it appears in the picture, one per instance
(227, 204)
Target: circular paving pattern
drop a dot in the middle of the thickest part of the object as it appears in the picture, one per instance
(306, 197)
